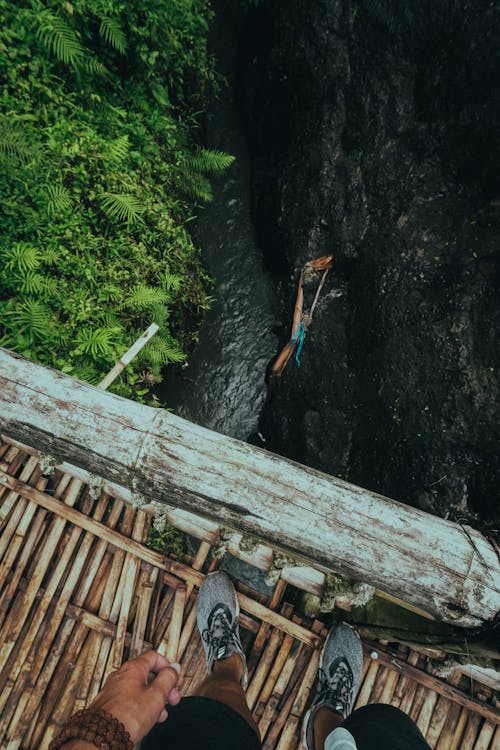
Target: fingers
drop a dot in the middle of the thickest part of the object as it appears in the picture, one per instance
(165, 685)
(150, 661)
(174, 697)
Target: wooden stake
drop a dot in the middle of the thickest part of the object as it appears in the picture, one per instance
(128, 356)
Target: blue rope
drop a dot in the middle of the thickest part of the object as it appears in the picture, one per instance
(299, 336)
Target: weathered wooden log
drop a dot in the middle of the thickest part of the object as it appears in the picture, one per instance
(447, 570)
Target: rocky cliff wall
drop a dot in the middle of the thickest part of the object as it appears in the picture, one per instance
(374, 135)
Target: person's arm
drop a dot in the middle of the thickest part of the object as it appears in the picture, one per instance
(136, 695)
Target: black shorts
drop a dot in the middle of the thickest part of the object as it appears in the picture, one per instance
(208, 724)
(382, 727)
(201, 723)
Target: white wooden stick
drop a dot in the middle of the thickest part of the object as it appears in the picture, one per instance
(128, 356)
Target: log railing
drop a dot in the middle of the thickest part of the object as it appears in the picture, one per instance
(438, 566)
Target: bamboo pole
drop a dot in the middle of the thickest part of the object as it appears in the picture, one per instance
(485, 736)
(471, 730)
(429, 562)
(169, 647)
(129, 355)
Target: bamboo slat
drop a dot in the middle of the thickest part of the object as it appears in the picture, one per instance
(263, 667)
(456, 740)
(471, 730)
(367, 685)
(170, 648)
(485, 736)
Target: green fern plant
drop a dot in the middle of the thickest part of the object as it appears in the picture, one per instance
(31, 283)
(112, 33)
(17, 145)
(118, 149)
(58, 200)
(171, 282)
(159, 314)
(55, 34)
(160, 351)
(96, 342)
(21, 257)
(208, 160)
(145, 297)
(122, 207)
(31, 317)
(198, 185)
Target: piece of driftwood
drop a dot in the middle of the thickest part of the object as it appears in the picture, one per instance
(432, 563)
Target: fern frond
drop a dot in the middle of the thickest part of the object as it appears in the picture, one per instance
(159, 314)
(87, 370)
(95, 66)
(109, 320)
(159, 351)
(97, 342)
(144, 297)
(50, 256)
(197, 185)
(118, 149)
(21, 257)
(112, 33)
(16, 146)
(6, 341)
(122, 206)
(58, 199)
(208, 160)
(31, 316)
(59, 38)
(31, 283)
(111, 293)
(171, 282)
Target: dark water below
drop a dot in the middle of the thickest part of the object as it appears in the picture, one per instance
(223, 387)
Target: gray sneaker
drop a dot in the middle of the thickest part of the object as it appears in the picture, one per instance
(217, 616)
(339, 677)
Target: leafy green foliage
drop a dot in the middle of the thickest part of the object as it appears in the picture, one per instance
(206, 160)
(122, 207)
(21, 257)
(59, 38)
(58, 199)
(97, 156)
(112, 32)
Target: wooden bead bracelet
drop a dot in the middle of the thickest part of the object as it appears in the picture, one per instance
(97, 727)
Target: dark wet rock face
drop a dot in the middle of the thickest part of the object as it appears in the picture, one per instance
(375, 137)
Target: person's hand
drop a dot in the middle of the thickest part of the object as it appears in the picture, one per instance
(137, 693)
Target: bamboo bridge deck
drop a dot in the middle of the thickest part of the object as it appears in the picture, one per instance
(80, 593)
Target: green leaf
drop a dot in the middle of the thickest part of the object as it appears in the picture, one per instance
(96, 341)
(123, 207)
(209, 160)
(21, 257)
(31, 316)
(17, 145)
(144, 297)
(197, 185)
(118, 149)
(31, 283)
(159, 351)
(59, 38)
(58, 199)
(112, 33)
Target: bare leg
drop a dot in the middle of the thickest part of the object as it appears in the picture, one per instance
(325, 722)
(223, 685)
